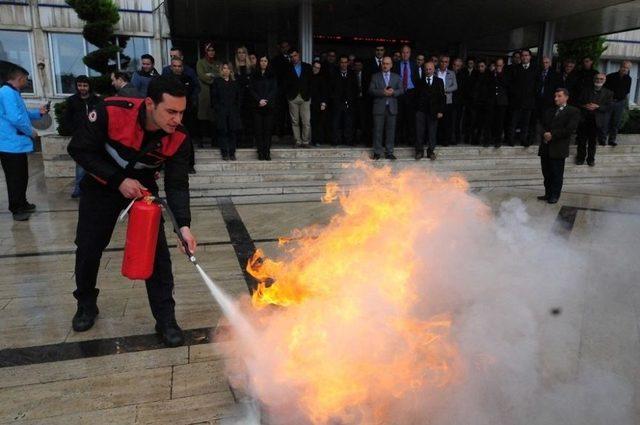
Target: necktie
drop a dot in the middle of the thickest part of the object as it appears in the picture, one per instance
(429, 81)
(405, 76)
(386, 79)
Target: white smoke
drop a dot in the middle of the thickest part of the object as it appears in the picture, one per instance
(516, 296)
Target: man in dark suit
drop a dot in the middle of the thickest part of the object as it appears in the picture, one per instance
(408, 71)
(297, 88)
(595, 103)
(385, 88)
(547, 81)
(374, 65)
(462, 98)
(280, 64)
(363, 103)
(430, 101)
(584, 77)
(344, 92)
(559, 124)
(498, 102)
(620, 84)
(569, 77)
(522, 90)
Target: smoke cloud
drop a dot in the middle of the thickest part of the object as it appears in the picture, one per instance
(418, 304)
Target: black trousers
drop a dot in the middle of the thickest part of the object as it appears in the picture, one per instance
(319, 125)
(342, 124)
(364, 120)
(587, 135)
(519, 119)
(481, 127)
(263, 129)
(405, 121)
(97, 216)
(445, 127)
(495, 117)
(553, 174)
(16, 174)
(426, 128)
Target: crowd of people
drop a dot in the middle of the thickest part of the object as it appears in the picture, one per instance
(402, 98)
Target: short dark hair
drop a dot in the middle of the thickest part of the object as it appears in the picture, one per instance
(569, 60)
(525, 50)
(82, 79)
(293, 49)
(124, 76)
(148, 56)
(165, 84)
(343, 57)
(14, 71)
(175, 48)
(357, 60)
(563, 90)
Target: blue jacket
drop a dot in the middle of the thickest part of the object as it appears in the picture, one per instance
(15, 122)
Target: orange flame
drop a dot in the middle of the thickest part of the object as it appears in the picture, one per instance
(353, 337)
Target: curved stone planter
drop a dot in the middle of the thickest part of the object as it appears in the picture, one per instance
(56, 160)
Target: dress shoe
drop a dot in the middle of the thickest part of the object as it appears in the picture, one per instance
(21, 215)
(543, 198)
(390, 156)
(192, 170)
(602, 143)
(75, 195)
(579, 161)
(526, 144)
(232, 157)
(431, 155)
(613, 144)
(497, 145)
(29, 207)
(375, 157)
(267, 156)
(84, 318)
(419, 155)
(225, 158)
(260, 157)
(591, 162)
(171, 334)
(552, 201)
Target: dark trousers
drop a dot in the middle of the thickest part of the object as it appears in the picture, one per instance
(384, 125)
(363, 120)
(519, 119)
(342, 123)
(97, 216)
(282, 119)
(495, 117)
(190, 122)
(426, 127)
(319, 125)
(588, 134)
(263, 128)
(481, 126)
(445, 127)
(245, 136)
(227, 142)
(405, 121)
(458, 125)
(16, 174)
(553, 174)
(615, 118)
(207, 128)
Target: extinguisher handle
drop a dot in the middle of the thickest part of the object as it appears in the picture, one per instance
(176, 229)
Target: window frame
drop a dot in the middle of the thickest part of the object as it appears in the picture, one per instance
(33, 73)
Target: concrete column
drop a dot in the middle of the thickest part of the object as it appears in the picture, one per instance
(306, 30)
(547, 39)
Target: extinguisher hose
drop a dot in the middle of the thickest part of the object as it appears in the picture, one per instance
(176, 229)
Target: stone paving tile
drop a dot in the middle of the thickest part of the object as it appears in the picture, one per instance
(40, 401)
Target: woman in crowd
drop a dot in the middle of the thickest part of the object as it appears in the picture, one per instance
(226, 103)
(207, 68)
(319, 121)
(243, 70)
(264, 88)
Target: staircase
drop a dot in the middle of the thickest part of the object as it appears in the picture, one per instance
(301, 174)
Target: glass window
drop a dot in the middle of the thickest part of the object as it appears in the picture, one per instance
(67, 51)
(131, 48)
(15, 47)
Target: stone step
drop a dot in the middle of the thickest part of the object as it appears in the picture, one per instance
(212, 166)
(400, 152)
(471, 174)
(314, 190)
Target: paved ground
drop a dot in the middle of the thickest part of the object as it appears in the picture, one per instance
(117, 373)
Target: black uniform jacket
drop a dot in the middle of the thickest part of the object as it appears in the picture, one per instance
(561, 125)
(113, 145)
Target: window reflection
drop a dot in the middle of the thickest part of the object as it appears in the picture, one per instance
(16, 48)
(67, 51)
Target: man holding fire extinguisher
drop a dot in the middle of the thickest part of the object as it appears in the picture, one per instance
(125, 142)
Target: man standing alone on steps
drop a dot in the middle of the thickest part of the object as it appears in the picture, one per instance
(559, 124)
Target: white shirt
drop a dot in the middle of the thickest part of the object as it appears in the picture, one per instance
(429, 80)
(442, 75)
(525, 65)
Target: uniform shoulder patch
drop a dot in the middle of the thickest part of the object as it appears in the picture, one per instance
(92, 116)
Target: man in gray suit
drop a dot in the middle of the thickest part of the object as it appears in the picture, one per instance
(385, 87)
(448, 77)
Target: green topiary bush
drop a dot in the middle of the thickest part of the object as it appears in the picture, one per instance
(631, 122)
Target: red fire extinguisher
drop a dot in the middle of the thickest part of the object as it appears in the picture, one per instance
(142, 237)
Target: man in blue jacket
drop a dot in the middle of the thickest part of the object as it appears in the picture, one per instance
(16, 134)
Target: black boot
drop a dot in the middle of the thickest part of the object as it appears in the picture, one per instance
(171, 334)
(85, 317)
